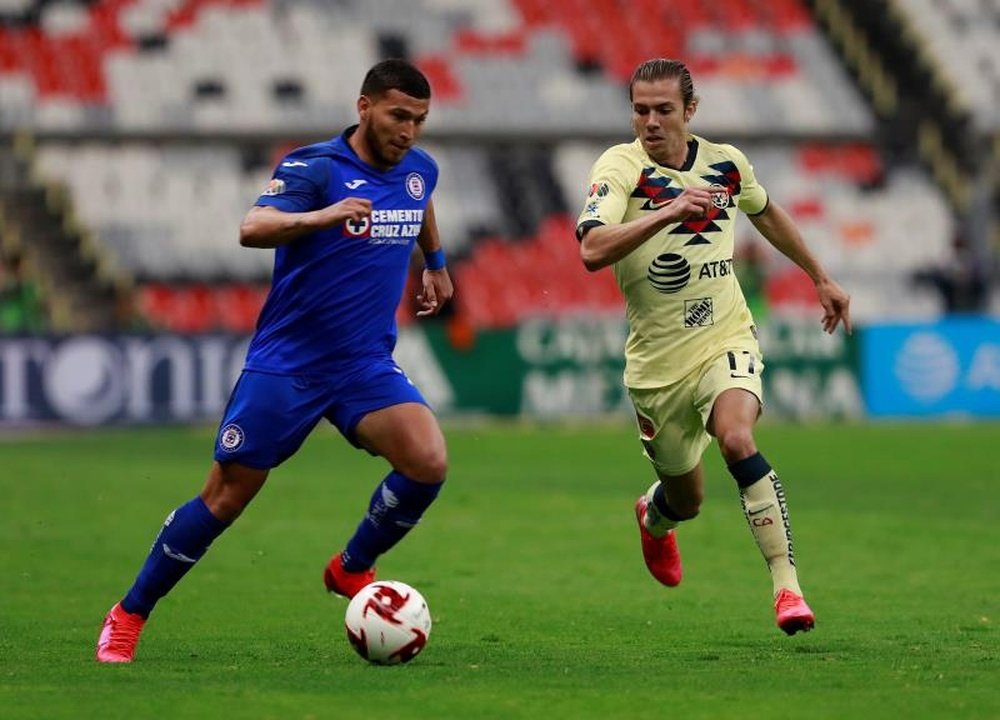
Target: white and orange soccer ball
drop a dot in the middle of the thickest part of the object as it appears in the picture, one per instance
(388, 622)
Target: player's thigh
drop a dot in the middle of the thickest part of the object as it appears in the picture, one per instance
(736, 369)
(268, 418)
(381, 411)
(671, 430)
(409, 438)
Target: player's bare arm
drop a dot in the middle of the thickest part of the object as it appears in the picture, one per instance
(437, 285)
(605, 245)
(778, 227)
(268, 227)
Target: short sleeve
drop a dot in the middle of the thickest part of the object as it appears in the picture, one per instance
(753, 197)
(297, 184)
(612, 180)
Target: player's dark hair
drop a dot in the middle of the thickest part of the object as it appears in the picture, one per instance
(395, 74)
(664, 69)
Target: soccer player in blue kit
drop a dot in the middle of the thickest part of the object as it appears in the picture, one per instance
(343, 216)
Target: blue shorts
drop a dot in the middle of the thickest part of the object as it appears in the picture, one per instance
(269, 416)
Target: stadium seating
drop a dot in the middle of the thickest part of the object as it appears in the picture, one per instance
(961, 35)
(202, 90)
(196, 308)
(210, 65)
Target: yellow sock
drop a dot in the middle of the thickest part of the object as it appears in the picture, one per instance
(767, 515)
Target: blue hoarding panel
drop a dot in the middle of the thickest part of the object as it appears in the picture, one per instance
(951, 367)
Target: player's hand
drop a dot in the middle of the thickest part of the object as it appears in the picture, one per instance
(437, 291)
(836, 305)
(350, 208)
(692, 202)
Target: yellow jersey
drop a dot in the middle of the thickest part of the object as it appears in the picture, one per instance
(682, 300)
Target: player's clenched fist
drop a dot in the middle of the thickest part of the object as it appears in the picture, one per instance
(692, 202)
(351, 208)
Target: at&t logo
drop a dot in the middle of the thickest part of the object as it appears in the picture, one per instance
(927, 367)
(669, 273)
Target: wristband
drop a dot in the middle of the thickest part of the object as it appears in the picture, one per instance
(434, 259)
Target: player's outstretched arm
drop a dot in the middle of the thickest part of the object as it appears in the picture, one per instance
(269, 227)
(437, 286)
(780, 230)
(604, 245)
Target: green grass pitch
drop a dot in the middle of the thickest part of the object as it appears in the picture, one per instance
(530, 563)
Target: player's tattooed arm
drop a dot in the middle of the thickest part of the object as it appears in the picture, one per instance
(268, 227)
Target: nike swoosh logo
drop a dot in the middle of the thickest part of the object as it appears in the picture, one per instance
(758, 512)
(354, 184)
(294, 163)
(180, 557)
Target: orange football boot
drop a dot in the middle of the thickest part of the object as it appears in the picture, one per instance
(119, 635)
(663, 558)
(342, 582)
(792, 612)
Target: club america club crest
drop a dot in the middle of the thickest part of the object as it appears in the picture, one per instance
(415, 186)
(231, 438)
(720, 196)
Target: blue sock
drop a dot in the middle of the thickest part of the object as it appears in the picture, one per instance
(186, 535)
(662, 506)
(396, 506)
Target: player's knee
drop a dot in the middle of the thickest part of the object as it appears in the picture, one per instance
(429, 465)
(229, 490)
(736, 443)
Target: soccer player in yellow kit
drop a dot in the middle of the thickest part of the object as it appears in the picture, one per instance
(661, 211)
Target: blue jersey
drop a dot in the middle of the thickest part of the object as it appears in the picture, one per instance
(334, 292)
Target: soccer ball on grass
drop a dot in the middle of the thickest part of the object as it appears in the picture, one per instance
(388, 622)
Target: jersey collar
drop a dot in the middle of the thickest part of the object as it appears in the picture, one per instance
(692, 154)
(346, 146)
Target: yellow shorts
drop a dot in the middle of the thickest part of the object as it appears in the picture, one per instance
(673, 419)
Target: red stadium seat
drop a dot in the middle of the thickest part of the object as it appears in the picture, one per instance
(446, 85)
(156, 303)
(474, 42)
(790, 288)
(237, 306)
(736, 15)
(535, 13)
(807, 209)
(194, 310)
(506, 281)
(788, 15)
(10, 58)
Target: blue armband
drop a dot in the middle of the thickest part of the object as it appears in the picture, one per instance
(434, 260)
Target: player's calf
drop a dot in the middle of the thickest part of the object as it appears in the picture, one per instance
(763, 500)
(396, 507)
